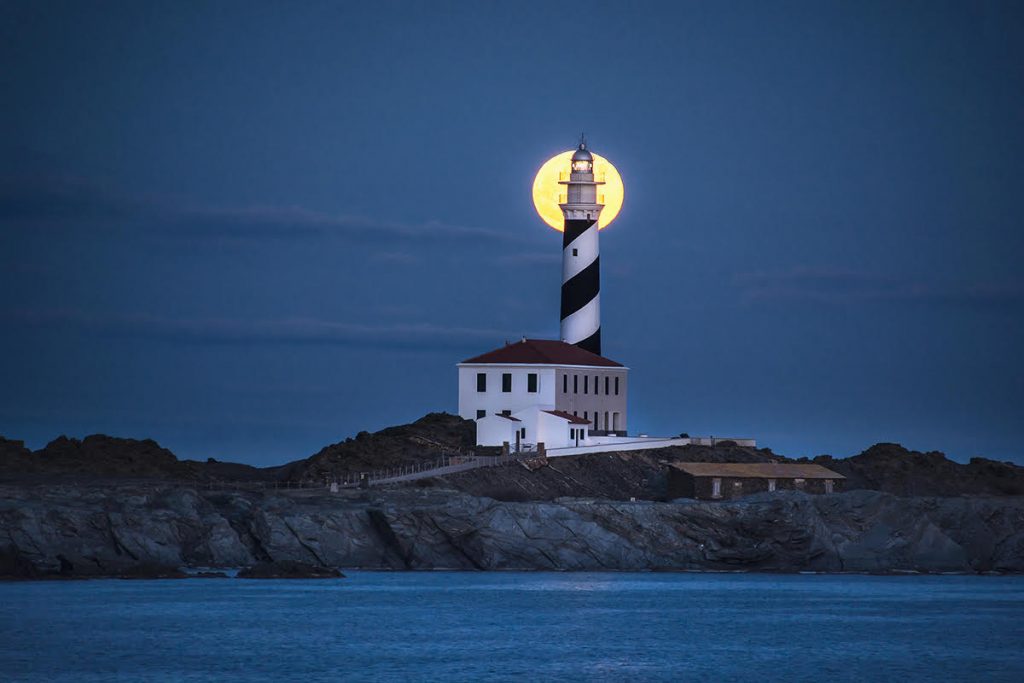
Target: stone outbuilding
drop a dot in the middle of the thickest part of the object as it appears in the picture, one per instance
(725, 481)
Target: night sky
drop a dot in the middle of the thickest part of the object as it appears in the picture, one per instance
(248, 230)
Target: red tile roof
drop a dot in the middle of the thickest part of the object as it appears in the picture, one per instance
(573, 419)
(543, 352)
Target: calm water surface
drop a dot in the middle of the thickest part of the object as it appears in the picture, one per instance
(497, 626)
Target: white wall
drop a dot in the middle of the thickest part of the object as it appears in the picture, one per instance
(495, 430)
(494, 400)
(625, 444)
(551, 430)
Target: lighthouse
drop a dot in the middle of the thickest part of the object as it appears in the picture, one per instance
(581, 266)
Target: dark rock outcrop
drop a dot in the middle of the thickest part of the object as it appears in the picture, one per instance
(894, 469)
(100, 457)
(289, 569)
(428, 438)
(107, 531)
(145, 570)
(616, 476)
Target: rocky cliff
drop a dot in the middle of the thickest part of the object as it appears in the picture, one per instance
(89, 531)
(621, 476)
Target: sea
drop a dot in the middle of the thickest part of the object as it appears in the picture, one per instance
(497, 626)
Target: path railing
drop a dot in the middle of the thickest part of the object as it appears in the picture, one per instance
(435, 468)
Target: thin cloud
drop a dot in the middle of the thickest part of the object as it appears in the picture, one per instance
(422, 336)
(75, 204)
(843, 286)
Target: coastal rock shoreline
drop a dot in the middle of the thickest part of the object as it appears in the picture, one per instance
(113, 530)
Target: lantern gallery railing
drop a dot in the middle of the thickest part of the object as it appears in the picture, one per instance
(564, 199)
(563, 177)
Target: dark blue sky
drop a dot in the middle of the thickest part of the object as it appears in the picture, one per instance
(251, 229)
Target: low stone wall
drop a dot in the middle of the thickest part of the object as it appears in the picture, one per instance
(615, 446)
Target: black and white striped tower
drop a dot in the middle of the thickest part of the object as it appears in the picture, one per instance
(581, 266)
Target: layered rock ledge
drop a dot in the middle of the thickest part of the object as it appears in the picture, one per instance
(82, 531)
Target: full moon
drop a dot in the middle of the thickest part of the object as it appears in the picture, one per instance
(546, 189)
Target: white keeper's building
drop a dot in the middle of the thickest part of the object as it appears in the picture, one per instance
(543, 391)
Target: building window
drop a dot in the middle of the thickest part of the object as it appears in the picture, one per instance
(575, 414)
(616, 386)
(480, 413)
(828, 486)
(506, 412)
(716, 488)
(597, 388)
(506, 382)
(565, 384)
(606, 385)
(481, 381)
(586, 383)
(771, 484)
(575, 252)
(585, 416)
(575, 384)
(531, 383)
(522, 432)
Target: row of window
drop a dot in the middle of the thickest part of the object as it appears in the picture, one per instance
(609, 386)
(716, 486)
(506, 382)
(483, 413)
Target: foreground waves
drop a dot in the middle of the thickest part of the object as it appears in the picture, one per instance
(498, 626)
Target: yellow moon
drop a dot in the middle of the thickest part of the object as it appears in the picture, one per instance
(546, 189)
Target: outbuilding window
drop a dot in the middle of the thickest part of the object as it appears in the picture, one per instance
(481, 381)
(531, 383)
(828, 486)
(716, 488)
(481, 413)
(771, 484)
(506, 382)
(798, 483)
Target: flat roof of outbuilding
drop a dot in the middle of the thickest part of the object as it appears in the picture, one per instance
(757, 470)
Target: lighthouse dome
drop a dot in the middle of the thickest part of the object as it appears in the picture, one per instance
(582, 153)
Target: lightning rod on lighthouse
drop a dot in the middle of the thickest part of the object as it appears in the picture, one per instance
(581, 269)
